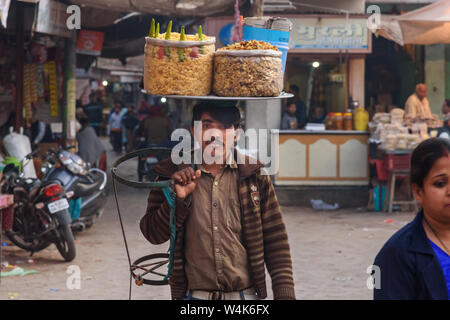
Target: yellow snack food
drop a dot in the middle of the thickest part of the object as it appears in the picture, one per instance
(174, 67)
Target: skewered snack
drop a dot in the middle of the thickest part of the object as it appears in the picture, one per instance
(178, 63)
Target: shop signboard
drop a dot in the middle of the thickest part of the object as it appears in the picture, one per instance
(90, 42)
(51, 19)
(330, 34)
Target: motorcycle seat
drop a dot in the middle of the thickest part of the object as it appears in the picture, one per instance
(87, 189)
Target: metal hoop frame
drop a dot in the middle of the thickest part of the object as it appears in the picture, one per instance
(139, 278)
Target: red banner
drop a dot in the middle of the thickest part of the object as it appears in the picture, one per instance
(90, 42)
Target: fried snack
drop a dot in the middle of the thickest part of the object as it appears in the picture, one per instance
(250, 45)
(178, 67)
(246, 72)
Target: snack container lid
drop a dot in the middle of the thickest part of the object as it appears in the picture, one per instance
(248, 53)
(180, 44)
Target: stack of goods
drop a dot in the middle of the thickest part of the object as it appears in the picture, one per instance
(389, 130)
(248, 69)
(178, 63)
(396, 116)
(432, 123)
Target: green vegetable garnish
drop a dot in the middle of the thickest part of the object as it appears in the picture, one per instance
(181, 50)
(157, 31)
(168, 31)
(152, 29)
(200, 37)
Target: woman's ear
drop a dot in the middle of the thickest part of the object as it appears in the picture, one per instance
(418, 193)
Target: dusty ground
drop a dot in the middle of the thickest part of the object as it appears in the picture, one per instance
(330, 250)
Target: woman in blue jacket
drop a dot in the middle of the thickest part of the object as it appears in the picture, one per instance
(414, 263)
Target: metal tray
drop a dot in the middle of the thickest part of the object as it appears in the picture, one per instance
(283, 95)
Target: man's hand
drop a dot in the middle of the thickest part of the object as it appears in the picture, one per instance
(185, 181)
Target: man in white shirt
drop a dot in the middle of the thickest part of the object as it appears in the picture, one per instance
(417, 105)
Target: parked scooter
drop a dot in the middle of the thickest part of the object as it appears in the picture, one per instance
(146, 162)
(41, 215)
(87, 184)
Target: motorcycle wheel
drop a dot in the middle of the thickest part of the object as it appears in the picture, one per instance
(21, 225)
(65, 243)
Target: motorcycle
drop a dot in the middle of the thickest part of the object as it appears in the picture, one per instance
(41, 215)
(87, 185)
(146, 162)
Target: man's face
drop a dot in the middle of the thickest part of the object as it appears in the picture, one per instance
(214, 139)
(421, 92)
(445, 108)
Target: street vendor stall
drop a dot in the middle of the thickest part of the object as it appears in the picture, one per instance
(393, 138)
(331, 157)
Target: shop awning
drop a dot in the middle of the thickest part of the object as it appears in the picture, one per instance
(178, 8)
(425, 26)
(133, 65)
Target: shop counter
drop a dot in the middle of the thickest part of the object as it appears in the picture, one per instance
(322, 158)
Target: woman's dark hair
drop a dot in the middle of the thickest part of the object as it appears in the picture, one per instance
(226, 114)
(424, 157)
(447, 102)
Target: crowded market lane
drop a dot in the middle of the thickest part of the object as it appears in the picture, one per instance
(331, 252)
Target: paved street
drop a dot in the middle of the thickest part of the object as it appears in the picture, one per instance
(331, 252)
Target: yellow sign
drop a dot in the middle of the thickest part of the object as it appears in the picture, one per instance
(50, 67)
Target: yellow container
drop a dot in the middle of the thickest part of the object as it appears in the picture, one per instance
(361, 119)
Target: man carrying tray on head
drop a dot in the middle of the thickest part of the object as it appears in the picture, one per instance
(228, 219)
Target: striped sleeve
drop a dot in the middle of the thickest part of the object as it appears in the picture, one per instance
(155, 223)
(277, 254)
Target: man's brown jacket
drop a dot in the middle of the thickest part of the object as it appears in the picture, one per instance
(265, 236)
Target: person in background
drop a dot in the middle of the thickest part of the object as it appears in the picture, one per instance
(94, 112)
(90, 148)
(156, 128)
(319, 114)
(417, 105)
(130, 122)
(289, 120)
(39, 131)
(414, 264)
(143, 109)
(444, 131)
(446, 107)
(302, 119)
(115, 127)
